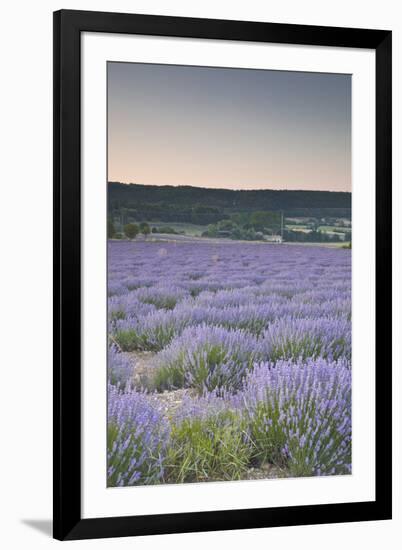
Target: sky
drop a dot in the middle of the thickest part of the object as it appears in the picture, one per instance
(228, 128)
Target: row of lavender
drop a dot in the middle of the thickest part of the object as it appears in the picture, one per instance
(262, 335)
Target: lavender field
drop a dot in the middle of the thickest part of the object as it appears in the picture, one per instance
(227, 360)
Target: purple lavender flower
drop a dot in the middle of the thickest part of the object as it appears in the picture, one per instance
(300, 414)
(137, 438)
(288, 338)
(120, 369)
(264, 330)
(206, 357)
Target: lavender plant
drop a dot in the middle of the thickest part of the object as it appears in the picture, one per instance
(120, 369)
(295, 338)
(136, 440)
(206, 357)
(299, 415)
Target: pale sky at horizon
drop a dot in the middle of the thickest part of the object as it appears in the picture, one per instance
(228, 128)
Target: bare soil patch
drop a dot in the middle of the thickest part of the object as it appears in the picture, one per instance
(143, 365)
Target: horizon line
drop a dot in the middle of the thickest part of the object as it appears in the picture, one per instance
(228, 188)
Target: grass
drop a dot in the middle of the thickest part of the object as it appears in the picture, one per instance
(266, 435)
(149, 340)
(208, 449)
(193, 230)
(130, 340)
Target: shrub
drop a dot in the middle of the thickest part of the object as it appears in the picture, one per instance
(131, 230)
(144, 228)
(165, 229)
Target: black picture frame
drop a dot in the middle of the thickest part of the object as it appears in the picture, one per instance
(68, 522)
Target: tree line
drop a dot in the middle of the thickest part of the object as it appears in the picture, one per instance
(202, 206)
(130, 230)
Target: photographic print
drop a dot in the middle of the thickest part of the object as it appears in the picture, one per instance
(229, 274)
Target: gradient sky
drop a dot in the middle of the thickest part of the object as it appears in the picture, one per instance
(228, 128)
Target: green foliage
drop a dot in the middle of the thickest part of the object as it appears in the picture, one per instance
(226, 225)
(168, 377)
(208, 206)
(117, 314)
(130, 340)
(165, 229)
(308, 346)
(310, 236)
(208, 366)
(266, 433)
(144, 228)
(111, 231)
(131, 230)
(240, 218)
(207, 449)
(147, 340)
(274, 426)
(212, 231)
(201, 370)
(265, 220)
(230, 230)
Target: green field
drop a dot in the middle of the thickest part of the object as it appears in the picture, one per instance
(187, 228)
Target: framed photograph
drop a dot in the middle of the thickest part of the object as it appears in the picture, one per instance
(222, 346)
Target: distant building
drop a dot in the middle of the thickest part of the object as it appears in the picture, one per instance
(273, 238)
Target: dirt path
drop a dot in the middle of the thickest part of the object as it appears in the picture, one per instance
(266, 471)
(143, 364)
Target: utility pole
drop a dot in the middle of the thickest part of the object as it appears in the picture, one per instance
(282, 225)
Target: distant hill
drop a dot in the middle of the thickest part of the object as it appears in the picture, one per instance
(203, 206)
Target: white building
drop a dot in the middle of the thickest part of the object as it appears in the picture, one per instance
(273, 238)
